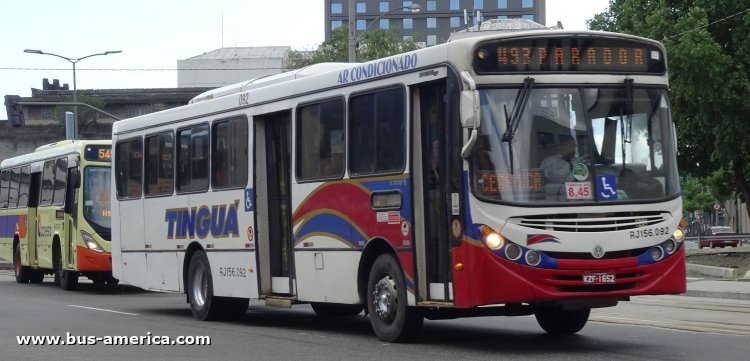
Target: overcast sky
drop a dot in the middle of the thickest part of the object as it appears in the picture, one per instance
(154, 34)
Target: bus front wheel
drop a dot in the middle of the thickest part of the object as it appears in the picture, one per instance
(556, 321)
(23, 273)
(68, 280)
(390, 315)
(200, 289)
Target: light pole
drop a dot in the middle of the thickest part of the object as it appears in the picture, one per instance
(75, 92)
(413, 8)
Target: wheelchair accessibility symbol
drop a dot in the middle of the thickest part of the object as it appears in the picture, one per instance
(606, 188)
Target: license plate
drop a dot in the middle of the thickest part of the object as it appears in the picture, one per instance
(578, 190)
(599, 278)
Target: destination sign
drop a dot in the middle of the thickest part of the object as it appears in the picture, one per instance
(98, 152)
(569, 54)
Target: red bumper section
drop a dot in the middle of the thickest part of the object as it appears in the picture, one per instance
(487, 279)
(90, 261)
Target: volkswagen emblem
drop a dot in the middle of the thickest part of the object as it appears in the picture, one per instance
(598, 251)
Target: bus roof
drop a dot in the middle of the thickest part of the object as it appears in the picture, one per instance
(51, 150)
(326, 76)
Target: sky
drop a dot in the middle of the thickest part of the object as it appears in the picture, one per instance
(154, 34)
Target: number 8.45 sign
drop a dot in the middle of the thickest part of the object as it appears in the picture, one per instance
(578, 190)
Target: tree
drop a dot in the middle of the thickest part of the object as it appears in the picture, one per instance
(707, 47)
(86, 116)
(372, 44)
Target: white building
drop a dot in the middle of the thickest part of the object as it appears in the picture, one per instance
(231, 65)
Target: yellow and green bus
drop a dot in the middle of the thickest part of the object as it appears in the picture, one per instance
(55, 213)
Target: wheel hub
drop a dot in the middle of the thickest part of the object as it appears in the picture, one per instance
(200, 287)
(385, 298)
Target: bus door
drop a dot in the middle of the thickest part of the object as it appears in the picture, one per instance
(431, 193)
(272, 142)
(31, 234)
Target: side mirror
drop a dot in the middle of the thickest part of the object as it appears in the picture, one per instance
(469, 102)
(74, 178)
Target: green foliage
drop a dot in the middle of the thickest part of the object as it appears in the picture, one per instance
(372, 44)
(697, 195)
(86, 115)
(707, 49)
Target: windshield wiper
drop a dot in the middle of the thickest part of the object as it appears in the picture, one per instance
(512, 120)
(626, 122)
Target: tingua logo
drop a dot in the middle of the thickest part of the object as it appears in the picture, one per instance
(218, 220)
(379, 68)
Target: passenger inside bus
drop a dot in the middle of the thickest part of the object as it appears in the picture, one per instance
(558, 168)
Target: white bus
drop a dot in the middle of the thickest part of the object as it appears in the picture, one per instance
(514, 174)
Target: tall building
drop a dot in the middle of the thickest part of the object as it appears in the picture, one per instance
(436, 19)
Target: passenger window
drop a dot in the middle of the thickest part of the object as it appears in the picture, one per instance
(23, 193)
(61, 177)
(48, 180)
(377, 132)
(192, 159)
(5, 176)
(159, 164)
(229, 153)
(320, 140)
(128, 168)
(15, 182)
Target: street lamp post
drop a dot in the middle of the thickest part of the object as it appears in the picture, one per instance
(75, 92)
(414, 8)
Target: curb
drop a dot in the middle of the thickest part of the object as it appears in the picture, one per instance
(720, 272)
(713, 294)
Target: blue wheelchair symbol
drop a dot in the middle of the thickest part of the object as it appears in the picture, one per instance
(249, 200)
(606, 188)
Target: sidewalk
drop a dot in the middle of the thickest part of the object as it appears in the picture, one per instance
(696, 287)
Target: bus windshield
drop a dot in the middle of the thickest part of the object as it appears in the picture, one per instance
(97, 208)
(575, 145)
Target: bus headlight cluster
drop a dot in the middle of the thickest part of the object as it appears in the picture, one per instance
(492, 239)
(670, 246)
(91, 242)
(678, 234)
(533, 258)
(656, 253)
(513, 252)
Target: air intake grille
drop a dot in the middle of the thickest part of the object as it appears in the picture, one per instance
(588, 222)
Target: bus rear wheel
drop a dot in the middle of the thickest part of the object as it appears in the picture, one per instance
(556, 321)
(23, 273)
(390, 315)
(200, 289)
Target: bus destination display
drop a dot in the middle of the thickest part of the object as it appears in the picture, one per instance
(98, 153)
(569, 55)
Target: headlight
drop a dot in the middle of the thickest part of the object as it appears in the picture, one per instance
(513, 252)
(494, 241)
(670, 245)
(91, 242)
(678, 234)
(657, 253)
(533, 258)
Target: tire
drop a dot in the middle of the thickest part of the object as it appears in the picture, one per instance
(390, 316)
(556, 321)
(68, 280)
(22, 273)
(203, 304)
(335, 309)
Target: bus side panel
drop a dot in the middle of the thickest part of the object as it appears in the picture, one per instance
(7, 232)
(327, 276)
(223, 225)
(163, 240)
(48, 228)
(234, 274)
(128, 231)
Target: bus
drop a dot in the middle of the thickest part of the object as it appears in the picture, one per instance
(421, 185)
(55, 213)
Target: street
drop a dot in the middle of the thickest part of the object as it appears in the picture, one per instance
(648, 328)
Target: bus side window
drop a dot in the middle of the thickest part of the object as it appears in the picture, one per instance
(23, 193)
(192, 159)
(48, 179)
(5, 176)
(229, 153)
(61, 177)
